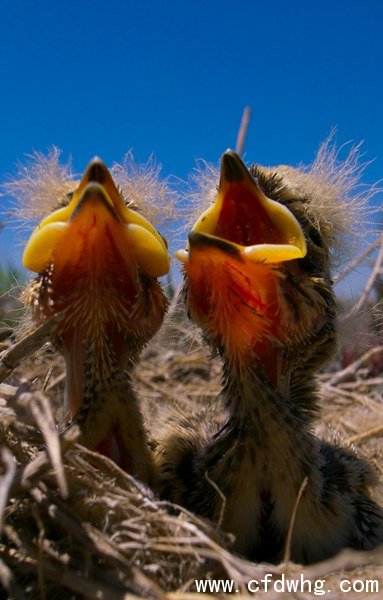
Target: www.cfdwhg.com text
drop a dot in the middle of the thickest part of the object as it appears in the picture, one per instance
(282, 584)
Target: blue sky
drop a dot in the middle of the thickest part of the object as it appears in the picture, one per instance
(173, 77)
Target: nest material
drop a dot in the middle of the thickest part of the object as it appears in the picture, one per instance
(74, 525)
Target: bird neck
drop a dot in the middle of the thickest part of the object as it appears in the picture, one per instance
(260, 458)
(97, 359)
(99, 395)
(247, 382)
(271, 415)
(111, 422)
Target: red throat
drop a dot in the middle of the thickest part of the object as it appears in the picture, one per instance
(236, 304)
(243, 221)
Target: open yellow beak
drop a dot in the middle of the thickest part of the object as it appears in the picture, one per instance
(97, 203)
(258, 228)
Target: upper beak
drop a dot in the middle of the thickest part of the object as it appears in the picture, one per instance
(96, 206)
(254, 226)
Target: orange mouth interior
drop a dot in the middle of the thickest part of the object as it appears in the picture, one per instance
(259, 228)
(137, 236)
(95, 243)
(243, 222)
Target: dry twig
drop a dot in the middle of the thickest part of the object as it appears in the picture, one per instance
(6, 480)
(356, 261)
(286, 558)
(243, 130)
(351, 369)
(42, 414)
(365, 435)
(11, 358)
(378, 268)
(9, 582)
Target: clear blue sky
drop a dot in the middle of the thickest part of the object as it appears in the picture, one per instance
(98, 77)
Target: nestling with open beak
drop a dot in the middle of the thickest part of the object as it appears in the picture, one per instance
(257, 282)
(97, 261)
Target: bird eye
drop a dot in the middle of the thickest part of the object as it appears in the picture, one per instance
(315, 237)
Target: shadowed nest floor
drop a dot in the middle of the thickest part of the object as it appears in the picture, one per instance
(75, 526)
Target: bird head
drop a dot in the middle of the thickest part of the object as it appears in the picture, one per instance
(257, 271)
(97, 262)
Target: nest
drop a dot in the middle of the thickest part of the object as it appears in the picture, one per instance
(76, 526)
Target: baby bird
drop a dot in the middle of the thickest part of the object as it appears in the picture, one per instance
(257, 282)
(97, 261)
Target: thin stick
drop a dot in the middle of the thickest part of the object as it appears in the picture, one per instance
(42, 414)
(9, 582)
(378, 268)
(6, 480)
(354, 263)
(5, 333)
(177, 302)
(365, 435)
(347, 560)
(47, 378)
(40, 553)
(28, 475)
(85, 533)
(11, 358)
(7, 391)
(243, 130)
(286, 558)
(371, 382)
(349, 371)
(221, 495)
(70, 579)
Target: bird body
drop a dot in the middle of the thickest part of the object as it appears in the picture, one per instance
(258, 284)
(97, 263)
(258, 458)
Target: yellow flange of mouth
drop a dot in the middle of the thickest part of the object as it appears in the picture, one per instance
(98, 194)
(260, 229)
